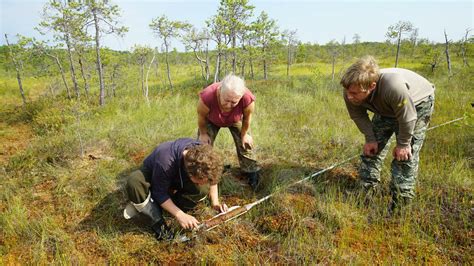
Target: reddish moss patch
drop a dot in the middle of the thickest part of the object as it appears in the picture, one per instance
(13, 139)
(138, 156)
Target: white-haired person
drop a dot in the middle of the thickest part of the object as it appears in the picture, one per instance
(230, 104)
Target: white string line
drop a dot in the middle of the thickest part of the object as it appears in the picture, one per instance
(446, 123)
(330, 168)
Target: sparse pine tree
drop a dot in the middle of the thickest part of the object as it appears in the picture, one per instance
(396, 32)
(267, 32)
(166, 30)
(103, 16)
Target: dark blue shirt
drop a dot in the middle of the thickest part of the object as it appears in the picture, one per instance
(165, 165)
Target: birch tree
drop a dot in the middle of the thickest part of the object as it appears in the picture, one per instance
(152, 61)
(141, 54)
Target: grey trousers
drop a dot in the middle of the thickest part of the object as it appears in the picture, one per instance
(138, 187)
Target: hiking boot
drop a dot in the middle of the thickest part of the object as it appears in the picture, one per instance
(368, 195)
(162, 231)
(398, 206)
(253, 179)
(152, 210)
(226, 168)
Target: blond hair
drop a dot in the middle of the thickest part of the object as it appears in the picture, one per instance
(363, 72)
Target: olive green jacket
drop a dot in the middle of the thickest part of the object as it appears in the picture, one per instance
(396, 95)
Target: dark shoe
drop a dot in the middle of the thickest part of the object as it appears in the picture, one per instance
(253, 179)
(162, 231)
(226, 168)
(398, 206)
(153, 211)
(368, 195)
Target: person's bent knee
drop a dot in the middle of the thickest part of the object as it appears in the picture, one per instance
(135, 179)
(137, 187)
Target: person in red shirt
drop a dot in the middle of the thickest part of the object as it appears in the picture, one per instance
(230, 104)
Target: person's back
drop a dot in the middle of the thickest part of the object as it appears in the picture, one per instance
(417, 86)
(174, 177)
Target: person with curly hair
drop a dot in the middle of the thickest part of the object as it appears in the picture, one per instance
(174, 177)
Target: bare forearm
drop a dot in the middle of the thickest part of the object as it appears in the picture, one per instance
(214, 194)
(170, 207)
(202, 112)
(247, 118)
(245, 126)
(202, 124)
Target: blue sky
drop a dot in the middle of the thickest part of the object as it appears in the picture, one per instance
(315, 21)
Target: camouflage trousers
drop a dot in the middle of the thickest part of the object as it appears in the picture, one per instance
(404, 173)
(246, 156)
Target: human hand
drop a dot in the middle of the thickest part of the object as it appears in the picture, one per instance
(220, 207)
(247, 141)
(371, 148)
(402, 153)
(204, 138)
(187, 221)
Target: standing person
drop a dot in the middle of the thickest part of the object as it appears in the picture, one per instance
(175, 177)
(230, 104)
(402, 102)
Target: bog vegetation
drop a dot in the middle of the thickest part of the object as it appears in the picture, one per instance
(77, 118)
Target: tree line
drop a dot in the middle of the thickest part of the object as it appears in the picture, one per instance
(241, 43)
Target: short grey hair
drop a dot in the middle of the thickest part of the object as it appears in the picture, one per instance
(233, 83)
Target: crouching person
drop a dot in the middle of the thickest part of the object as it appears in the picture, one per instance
(174, 177)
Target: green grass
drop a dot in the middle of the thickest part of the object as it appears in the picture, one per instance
(58, 207)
